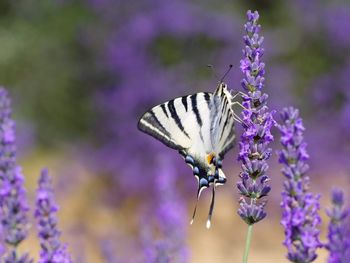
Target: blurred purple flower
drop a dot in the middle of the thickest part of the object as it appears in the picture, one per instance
(171, 220)
(337, 19)
(331, 97)
(13, 257)
(307, 13)
(142, 57)
(257, 123)
(13, 203)
(52, 251)
(331, 94)
(300, 217)
(338, 229)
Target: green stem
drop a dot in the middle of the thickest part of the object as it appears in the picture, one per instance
(247, 244)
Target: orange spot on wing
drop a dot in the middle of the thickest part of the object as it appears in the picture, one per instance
(210, 158)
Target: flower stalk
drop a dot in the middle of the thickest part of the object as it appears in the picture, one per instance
(247, 243)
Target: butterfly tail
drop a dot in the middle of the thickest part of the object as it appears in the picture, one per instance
(211, 209)
(194, 212)
(202, 184)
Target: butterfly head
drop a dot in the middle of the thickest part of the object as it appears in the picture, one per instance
(223, 85)
(221, 90)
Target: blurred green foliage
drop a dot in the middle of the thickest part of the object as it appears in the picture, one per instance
(41, 62)
(171, 50)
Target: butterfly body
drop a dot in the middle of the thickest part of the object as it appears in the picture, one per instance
(201, 127)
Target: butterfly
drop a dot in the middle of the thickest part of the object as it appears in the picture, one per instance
(201, 127)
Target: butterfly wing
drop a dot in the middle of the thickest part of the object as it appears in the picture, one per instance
(222, 122)
(200, 127)
(179, 123)
(197, 125)
(157, 123)
(184, 124)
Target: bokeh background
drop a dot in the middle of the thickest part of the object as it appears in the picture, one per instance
(81, 73)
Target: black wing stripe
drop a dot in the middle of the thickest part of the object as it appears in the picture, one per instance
(227, 148)
(207, 99)
(223, 128)
(184, 102)
(164, 110)
(223, 111)
(159, 124)
(146, 126)
(229, 138)
(229, 143)
(176, 118)
(225, 105)
(195, 109)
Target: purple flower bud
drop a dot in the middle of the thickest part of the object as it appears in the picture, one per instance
(12, 257)
(251, 213)
(300, 217)
(52, 251)
(337, 197)
(257, 123)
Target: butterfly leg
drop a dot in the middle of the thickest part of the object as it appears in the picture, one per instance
(238, 93)
(239, 104)
(237, 118)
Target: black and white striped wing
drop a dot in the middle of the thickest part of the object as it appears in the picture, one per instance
(182, 123)
(222, 127)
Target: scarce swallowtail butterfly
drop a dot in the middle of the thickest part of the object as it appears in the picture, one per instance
(201, 128)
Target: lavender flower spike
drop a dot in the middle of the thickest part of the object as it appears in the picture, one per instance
(257, 122)
(338, 230)
(52, 251)
(13, 204)
(300, 217)
(170, 218)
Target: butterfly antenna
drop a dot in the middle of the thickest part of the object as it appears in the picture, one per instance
(211, 207)
(227, 71)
